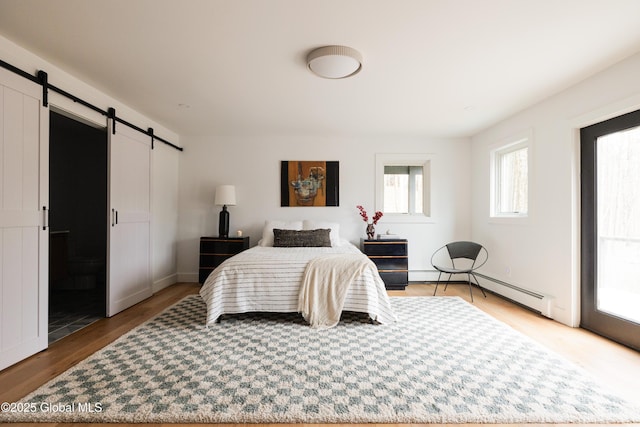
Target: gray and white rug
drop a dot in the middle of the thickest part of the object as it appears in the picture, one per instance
(444, 361)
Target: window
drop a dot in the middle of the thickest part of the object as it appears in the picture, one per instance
(510, 189)
(403, 187)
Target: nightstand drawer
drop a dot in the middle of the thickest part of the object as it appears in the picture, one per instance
(390, 262)
(381, 247)
(210, 245)
(213, 260)
(394, 279)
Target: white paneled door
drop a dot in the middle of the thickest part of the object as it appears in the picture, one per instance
(129, 275)
(24, 192)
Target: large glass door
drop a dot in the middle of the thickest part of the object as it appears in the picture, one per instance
(610, 161)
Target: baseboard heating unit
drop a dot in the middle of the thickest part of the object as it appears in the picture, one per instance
(534, 300)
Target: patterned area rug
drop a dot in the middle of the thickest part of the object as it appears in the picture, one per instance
(444, 361)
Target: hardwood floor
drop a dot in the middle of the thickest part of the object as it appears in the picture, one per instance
(612, 364)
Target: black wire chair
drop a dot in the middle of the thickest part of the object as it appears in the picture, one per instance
(469, 256)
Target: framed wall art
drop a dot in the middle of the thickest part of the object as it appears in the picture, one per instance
(309, 183)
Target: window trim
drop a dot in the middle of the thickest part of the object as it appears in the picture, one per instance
(393, 159)
(506, 146)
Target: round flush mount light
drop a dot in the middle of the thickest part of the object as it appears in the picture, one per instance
(334, 62)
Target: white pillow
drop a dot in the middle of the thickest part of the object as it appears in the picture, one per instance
(334, 226)
(267, 231)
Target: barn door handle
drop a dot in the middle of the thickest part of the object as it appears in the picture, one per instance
(113, 217)
(45, 218)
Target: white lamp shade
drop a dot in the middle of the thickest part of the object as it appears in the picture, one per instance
(334, 62)
(225, 195)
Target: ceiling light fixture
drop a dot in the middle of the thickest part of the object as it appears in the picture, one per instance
(334, 62)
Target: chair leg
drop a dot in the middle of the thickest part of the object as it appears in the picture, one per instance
(478, 283)
(447, 284)
(470, 289)
(437, 283)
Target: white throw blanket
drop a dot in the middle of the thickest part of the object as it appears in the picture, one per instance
(325, 285)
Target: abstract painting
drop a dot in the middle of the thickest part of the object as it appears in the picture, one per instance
(309, 183)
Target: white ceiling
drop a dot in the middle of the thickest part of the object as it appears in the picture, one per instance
(442, 68)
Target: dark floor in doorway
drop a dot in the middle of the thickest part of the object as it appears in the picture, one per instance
(72, 310)
(62, 324)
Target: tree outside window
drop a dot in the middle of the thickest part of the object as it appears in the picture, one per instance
(511, 180)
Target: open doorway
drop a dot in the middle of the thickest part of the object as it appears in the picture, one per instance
(77, 223)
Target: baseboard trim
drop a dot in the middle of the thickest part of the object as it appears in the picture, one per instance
(165, 282)
(188, 278)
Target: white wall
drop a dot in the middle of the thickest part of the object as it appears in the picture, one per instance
(252, 164)
(164, 160)
(542, 254)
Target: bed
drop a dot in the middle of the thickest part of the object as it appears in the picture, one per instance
(269, 278)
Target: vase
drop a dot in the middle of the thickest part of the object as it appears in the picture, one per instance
(371, 231)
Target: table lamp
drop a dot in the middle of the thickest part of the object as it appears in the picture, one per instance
(225, 196)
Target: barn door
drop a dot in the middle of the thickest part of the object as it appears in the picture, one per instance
(24, 137)
(129, 273)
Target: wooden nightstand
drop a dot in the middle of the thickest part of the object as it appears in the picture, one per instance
(391, 258)
(214, 250)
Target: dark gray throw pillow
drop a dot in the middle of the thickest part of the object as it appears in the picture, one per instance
(301, 238)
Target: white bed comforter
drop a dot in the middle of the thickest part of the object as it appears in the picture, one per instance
(268, 279)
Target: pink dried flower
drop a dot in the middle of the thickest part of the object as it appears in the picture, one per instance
(365, 217)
